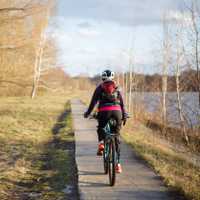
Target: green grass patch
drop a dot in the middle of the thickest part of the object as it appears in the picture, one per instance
(177, 173)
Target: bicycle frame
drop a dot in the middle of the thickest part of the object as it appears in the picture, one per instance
(111, 153)
(109, 135)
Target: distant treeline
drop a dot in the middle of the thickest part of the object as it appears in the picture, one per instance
(153, 83)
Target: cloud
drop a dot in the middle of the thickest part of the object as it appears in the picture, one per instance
(85, 51)
(126, 12)
(87, 29)
(88, 33)
(87, 43)
(85, 24)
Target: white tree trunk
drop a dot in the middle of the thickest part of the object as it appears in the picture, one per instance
(118, 78)
(39, 54)
(130, 83)
(164, 93)
(180, 111)
(177, 72)
(126, 88)
(166, 56)
(38, 65)
(123, 84)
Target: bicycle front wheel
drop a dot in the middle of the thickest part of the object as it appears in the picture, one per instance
(112, 163)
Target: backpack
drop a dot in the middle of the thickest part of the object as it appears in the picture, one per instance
(110, 92)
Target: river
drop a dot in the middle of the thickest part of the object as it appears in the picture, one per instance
(189, 101)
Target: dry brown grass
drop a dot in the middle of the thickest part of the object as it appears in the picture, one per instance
(31, 165)
(177, 172)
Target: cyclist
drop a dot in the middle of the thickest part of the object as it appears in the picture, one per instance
(110, 104)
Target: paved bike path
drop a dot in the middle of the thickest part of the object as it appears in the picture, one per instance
(137, 182)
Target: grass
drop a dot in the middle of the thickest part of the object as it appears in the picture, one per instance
(36, 148)
(177, 173)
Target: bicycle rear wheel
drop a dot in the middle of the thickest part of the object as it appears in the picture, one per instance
(112, 163)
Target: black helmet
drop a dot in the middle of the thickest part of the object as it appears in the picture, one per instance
(107, 75)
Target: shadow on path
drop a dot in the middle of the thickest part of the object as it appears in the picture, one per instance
(61, 122)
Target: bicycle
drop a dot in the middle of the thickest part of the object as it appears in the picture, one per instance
(111, 153)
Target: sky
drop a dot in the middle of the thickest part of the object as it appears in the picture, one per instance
(94, 35)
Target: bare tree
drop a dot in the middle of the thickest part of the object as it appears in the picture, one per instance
(123, 84)
(40, 49)
(165, 65)
(196, 28)
(126, 87)
(38, 64)
(194, 39)
(118, 78)
(179, 61)
(131, 72)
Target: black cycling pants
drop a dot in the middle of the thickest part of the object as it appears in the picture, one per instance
(103, 118)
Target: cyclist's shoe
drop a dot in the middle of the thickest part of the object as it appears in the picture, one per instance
(118, 168)
(100, 149)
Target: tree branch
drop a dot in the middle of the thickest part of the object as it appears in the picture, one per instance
(11, 9)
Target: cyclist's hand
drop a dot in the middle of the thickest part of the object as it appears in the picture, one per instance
(86, 115)
(125, 117)
(95, 115)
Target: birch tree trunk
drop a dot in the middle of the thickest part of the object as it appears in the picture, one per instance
(118, 78)
(123, 84)
(130, 83)
(166, 47)
(38, 65)
(164, 93)
(39, 54)
(126, 88)
(177, 73)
